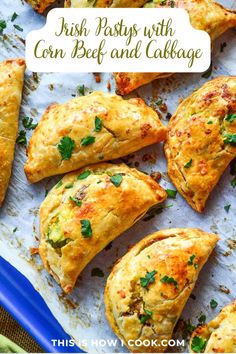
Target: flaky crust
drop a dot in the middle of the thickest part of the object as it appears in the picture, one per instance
(110, 209)
(40, 5)
(168, 253)
(220, 333)
(11, 83)
(196, 135)
(127, 126)
(204, 15)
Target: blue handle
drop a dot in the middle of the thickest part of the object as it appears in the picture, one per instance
(28, 308)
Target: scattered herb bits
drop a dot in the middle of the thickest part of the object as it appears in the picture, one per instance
(76, 201)
(28, 123)
(81, 90)
(146, 317)
(3, 25)
(98, 124)
(198, 344)
(59, 184)
(149, 278)
(188, 164)
(14, 16)
(66, 147)
(116, 179)
(18, 28)
(171, 193)
(170, 280)
(202, 319)
(86, 229)
(230, 117)
(88, 140)
(213, 303)
(21, 139)
(230, 139)
(84, 175)
(227, 207)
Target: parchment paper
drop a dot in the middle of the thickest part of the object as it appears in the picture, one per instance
(82, 313)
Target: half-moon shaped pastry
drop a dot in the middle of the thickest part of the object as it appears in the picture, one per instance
(149, 287)
(11, 84)
(89, 129)
(105, 3)
(219, 335)
(204, 15)
(40, 5)
(202, 140)
(88, 209)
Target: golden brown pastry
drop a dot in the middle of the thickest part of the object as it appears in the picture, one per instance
(204, 15)
(11, 84)
(148, 288)
(40, 5)
(219, 335)
(88, 129)
(202, 140)
(88, 209)
(105, 3)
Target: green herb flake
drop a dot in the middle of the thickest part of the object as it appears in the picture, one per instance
(46, 192)
(21, 139)
(18, 28)
(227, 207)
(213, 303)
(233, 182)
(97, 272)
(88, 140)
(188, 164)
(3, 25)
(170, 280)
(69, 185)
(59, 243)
(145, 318)
(86, 229)
(84, 175)
(98, 124)
(75, 200)
(14, 16)
(28, 123)
(210, 122)
(171, 193)
(230, 117)
(15, 229)
(59, 184)
(191, 258)
(149, 278)
(198, 344)
(159, 101)
(230, 139)
(66, 147)
(116, 179)
(202, 319)
(81, 90)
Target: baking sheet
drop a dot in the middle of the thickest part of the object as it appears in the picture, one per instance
(82, 313)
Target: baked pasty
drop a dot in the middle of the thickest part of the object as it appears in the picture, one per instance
(40, 5)
(148, 288)
(219, 335)
(202, 140)
(88, 129)
(11, 84)
(105, 3)
(204, 15)
(88, 209)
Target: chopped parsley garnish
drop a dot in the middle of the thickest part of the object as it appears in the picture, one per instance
(18, 28)
(59, 243)
(145, 318)
(3, 25)
(171, 193)
(116, 179)
(172, 3)
(188, 164)
(81, 90)
(15, 229)
(28, 123)
(230, 139)
(213, 303)
(88, 140)
(86, 229)
(198, 344)
(59, 184)
(227, 207)
(190, 261)
(210, 122)
(97, 272)
(14, 16)
(98, 124)
(76, 201)
(231, 117)
(159, 101)
(66, 147)
(69, 185)
(21, 139)
(170, 280)
(84, 175)
(149, 278)
(46, 192)
(202, 319)
(233, 182)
